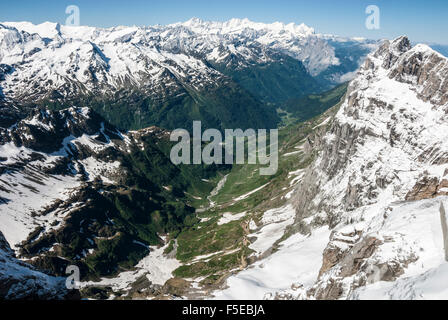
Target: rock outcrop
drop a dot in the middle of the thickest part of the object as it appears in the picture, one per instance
(21, 281)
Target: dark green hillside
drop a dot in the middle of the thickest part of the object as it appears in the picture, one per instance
(283, 79)
(315, 104)
(226, 106)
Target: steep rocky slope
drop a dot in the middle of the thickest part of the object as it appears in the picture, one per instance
(384, 154)
(390, 129)
(21, 281)
(370, 218)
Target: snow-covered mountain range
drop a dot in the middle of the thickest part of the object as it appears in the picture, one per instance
(170, 67)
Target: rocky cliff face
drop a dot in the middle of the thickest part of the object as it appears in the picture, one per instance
(395, 112)
(386, 145)
(19, 280)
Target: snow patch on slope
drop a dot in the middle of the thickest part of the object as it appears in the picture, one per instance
(156, 266)
(297, 260)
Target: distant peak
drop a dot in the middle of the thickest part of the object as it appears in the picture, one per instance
(194, 20)
(45, 30)
(237, 24)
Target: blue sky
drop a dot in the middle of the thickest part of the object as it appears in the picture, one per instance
(422, 21)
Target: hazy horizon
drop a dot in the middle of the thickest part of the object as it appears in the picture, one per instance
(421, 22)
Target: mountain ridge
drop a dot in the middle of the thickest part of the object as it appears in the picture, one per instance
(165, 73)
